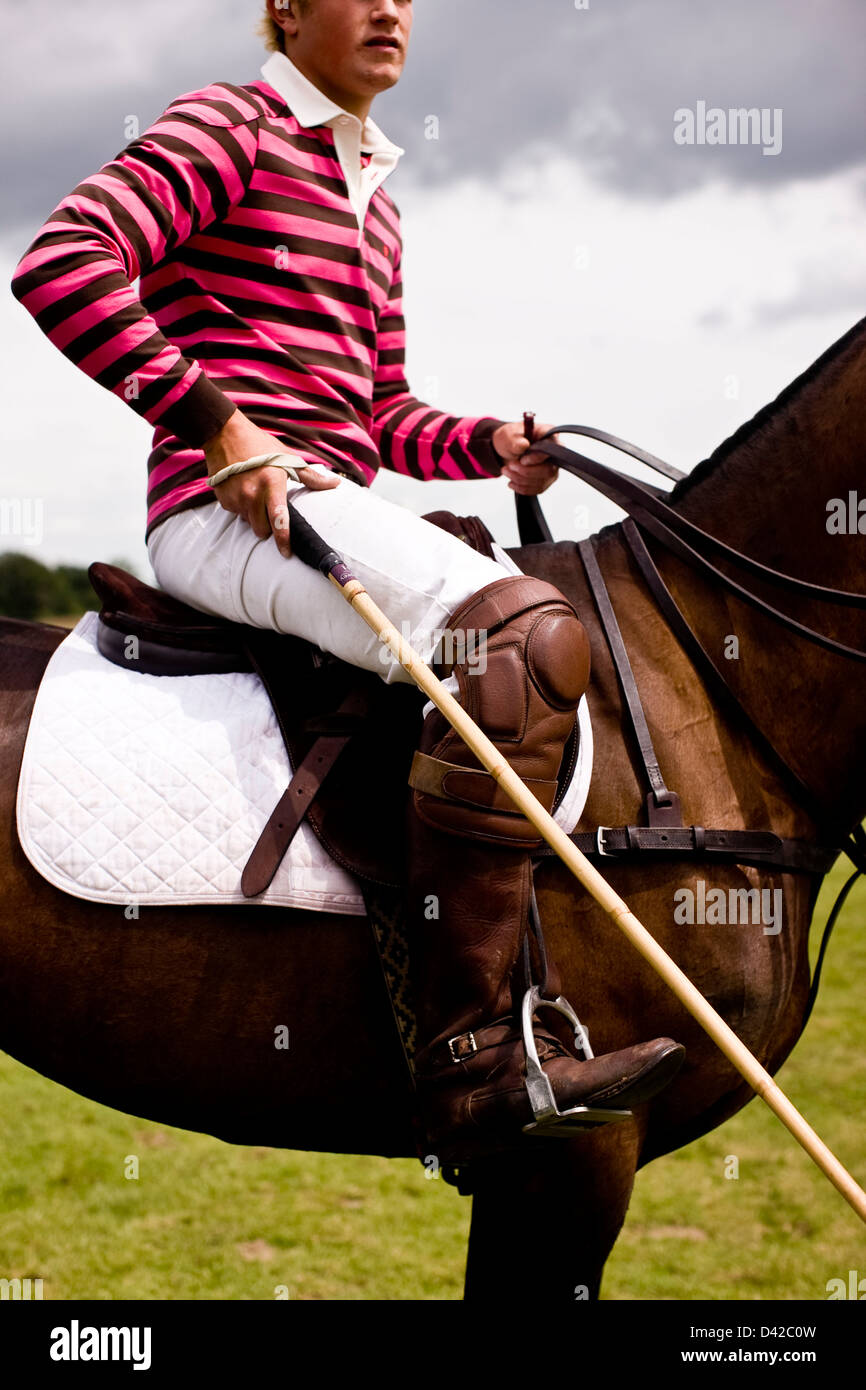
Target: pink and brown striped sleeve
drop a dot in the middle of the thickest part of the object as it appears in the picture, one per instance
(185, 172)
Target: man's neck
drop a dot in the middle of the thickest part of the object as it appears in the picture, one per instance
(358, 105)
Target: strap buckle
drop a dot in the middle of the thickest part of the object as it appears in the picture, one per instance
(462, 1037)
(599, 842)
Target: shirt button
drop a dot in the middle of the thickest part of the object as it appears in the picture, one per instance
(343, 120)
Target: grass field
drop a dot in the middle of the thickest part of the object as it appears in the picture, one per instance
(205, 1220)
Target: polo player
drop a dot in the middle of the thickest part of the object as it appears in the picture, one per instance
(267, 330)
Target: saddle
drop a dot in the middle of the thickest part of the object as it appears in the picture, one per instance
(350, 737)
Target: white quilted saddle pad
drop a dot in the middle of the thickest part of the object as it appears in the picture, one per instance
(149, 790)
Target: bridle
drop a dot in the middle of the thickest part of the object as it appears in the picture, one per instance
(665, 835)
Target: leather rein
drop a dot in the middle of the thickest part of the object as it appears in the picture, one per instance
(664, 835)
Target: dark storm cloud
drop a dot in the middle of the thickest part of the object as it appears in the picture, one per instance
(601, 86)
(504, 80)
(75, 74)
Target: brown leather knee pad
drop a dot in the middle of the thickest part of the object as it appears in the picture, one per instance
(521, 657)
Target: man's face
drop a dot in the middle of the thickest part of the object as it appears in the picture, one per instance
(351, 49)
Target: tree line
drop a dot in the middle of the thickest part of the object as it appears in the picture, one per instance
(33, 591)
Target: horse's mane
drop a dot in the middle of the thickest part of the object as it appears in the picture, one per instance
(765, 417)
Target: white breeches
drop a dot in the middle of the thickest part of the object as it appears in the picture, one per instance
(416, 573)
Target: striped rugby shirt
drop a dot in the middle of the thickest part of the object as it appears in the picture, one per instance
(258, 289)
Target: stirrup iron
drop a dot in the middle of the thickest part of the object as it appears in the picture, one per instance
(550, 1121)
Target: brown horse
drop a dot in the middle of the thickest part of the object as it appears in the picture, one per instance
(173, 1017)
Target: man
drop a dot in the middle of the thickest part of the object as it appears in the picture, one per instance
(268, 334)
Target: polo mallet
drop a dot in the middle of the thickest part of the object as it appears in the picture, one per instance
(314, 551)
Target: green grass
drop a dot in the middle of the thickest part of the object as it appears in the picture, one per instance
(206, 1220)
(779, 1230)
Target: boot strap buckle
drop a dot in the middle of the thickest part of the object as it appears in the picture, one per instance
(467, 1045)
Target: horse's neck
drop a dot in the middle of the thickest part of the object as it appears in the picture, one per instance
(770, 494)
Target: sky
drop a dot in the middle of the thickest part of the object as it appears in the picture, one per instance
(572, 245)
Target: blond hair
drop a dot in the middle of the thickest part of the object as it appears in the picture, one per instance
(271, 32)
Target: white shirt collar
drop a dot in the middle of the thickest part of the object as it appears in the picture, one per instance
(312, 107)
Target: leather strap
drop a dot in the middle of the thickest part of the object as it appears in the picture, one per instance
(663, 806)
(710, 672)
(666, 524)
(296, 800)
(452, 1051)
(649, 505)
(470, 786)
(760, 848)
(532, 527)
(634, 450)
(646, 504)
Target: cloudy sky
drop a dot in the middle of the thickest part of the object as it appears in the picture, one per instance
(564, 251)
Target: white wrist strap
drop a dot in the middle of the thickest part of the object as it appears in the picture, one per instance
(260, 461)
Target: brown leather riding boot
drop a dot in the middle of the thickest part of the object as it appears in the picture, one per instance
(522, 666)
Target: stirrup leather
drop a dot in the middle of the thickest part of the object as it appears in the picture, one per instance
(550, 1121)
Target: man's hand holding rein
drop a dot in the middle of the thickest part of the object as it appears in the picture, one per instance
(527, 471)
